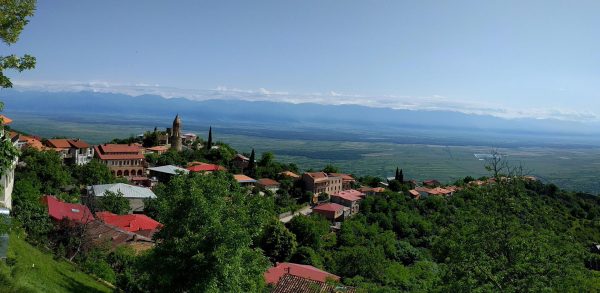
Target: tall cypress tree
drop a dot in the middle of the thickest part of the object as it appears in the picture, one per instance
(209, 142)
(397, 176)
(251, 164)
(401, 176)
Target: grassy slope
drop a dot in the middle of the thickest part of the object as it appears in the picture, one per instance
(36, 271)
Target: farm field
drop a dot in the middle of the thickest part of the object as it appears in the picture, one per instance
(575, 169)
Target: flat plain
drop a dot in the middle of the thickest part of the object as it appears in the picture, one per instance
(572, 168)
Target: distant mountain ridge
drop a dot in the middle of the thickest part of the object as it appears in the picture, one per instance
(282, 116)
(107, 103)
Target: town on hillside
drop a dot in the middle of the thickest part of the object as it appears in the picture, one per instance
(112, 205)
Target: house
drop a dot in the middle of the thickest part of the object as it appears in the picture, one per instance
(240, 162)
(244, 180)
(165, 173)
(100, 234)
(122, 159)
(59, 210)
(425, 191)
(414, 194)
(347, 180)
(289, 175)
(143, 181)
(332, 211)
(369, 191)
(188, 138)
(140, 224)
(431, 183)
(160, 149)
(135, 194)
(273, 275)
(319, 182)
(73, 151)
(349, 198)
(23, 141)
(289, 283)
(204, 167)
(268, 184)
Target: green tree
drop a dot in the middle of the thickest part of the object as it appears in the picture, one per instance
(501, 241)
(94, 172)
(206, 244)
(28, 209)
(310, 231)
(46, 167)
(331, 169)
(14, 16)
(278, 242)
(113, 202)
(150, 138)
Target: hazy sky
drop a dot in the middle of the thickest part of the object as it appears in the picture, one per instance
(520, 58)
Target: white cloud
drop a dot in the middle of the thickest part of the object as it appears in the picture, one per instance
(429, 103)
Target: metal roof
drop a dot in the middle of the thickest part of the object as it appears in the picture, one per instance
(129, 191)
(169, 169)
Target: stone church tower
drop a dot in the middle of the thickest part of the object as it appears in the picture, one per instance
(176, 134)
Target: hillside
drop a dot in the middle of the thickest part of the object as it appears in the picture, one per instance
(36, 271)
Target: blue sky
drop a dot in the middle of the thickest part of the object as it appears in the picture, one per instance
(505, 58)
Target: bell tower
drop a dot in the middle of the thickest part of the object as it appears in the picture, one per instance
(176, 134)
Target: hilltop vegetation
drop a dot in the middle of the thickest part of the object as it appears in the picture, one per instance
(29, 269)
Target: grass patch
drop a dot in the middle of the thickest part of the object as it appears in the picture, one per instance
(30, 270)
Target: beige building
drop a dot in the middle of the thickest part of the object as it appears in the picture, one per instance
(122, 159)
(318, 182)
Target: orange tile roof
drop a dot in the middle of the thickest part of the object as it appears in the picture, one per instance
(158, 148)
(59, 143)
(350, 195)
(289, 174)
(241, 178)
(5, 120)
(267, 182)
(345, 177)
(119, 148)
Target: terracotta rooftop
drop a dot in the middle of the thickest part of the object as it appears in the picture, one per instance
(63, 143)
(329, 207)
(267, 182)
(351, 195)
(5, 120)
(273, 275)
(241, 178)
(158, 148)
(119, 148)
(204, 167)
(289, 283)
(99, 234)
(289, 174)
(345, 177)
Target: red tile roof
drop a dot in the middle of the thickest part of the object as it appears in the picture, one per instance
(329, 207)
(119, 148)
(350, 195)
(59, 210)
(267, 182)
(241, 178)
(289, 174)
(63, 143)
(5, 120)
(293, 284)
(273, 274)
(159, 148)
(131, 223)
(99, 233)
(118, 152)
(205, 167)
(345, 177)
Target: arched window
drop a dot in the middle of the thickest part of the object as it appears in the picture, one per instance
(126, 173)
(139, 172)
(119, 173)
